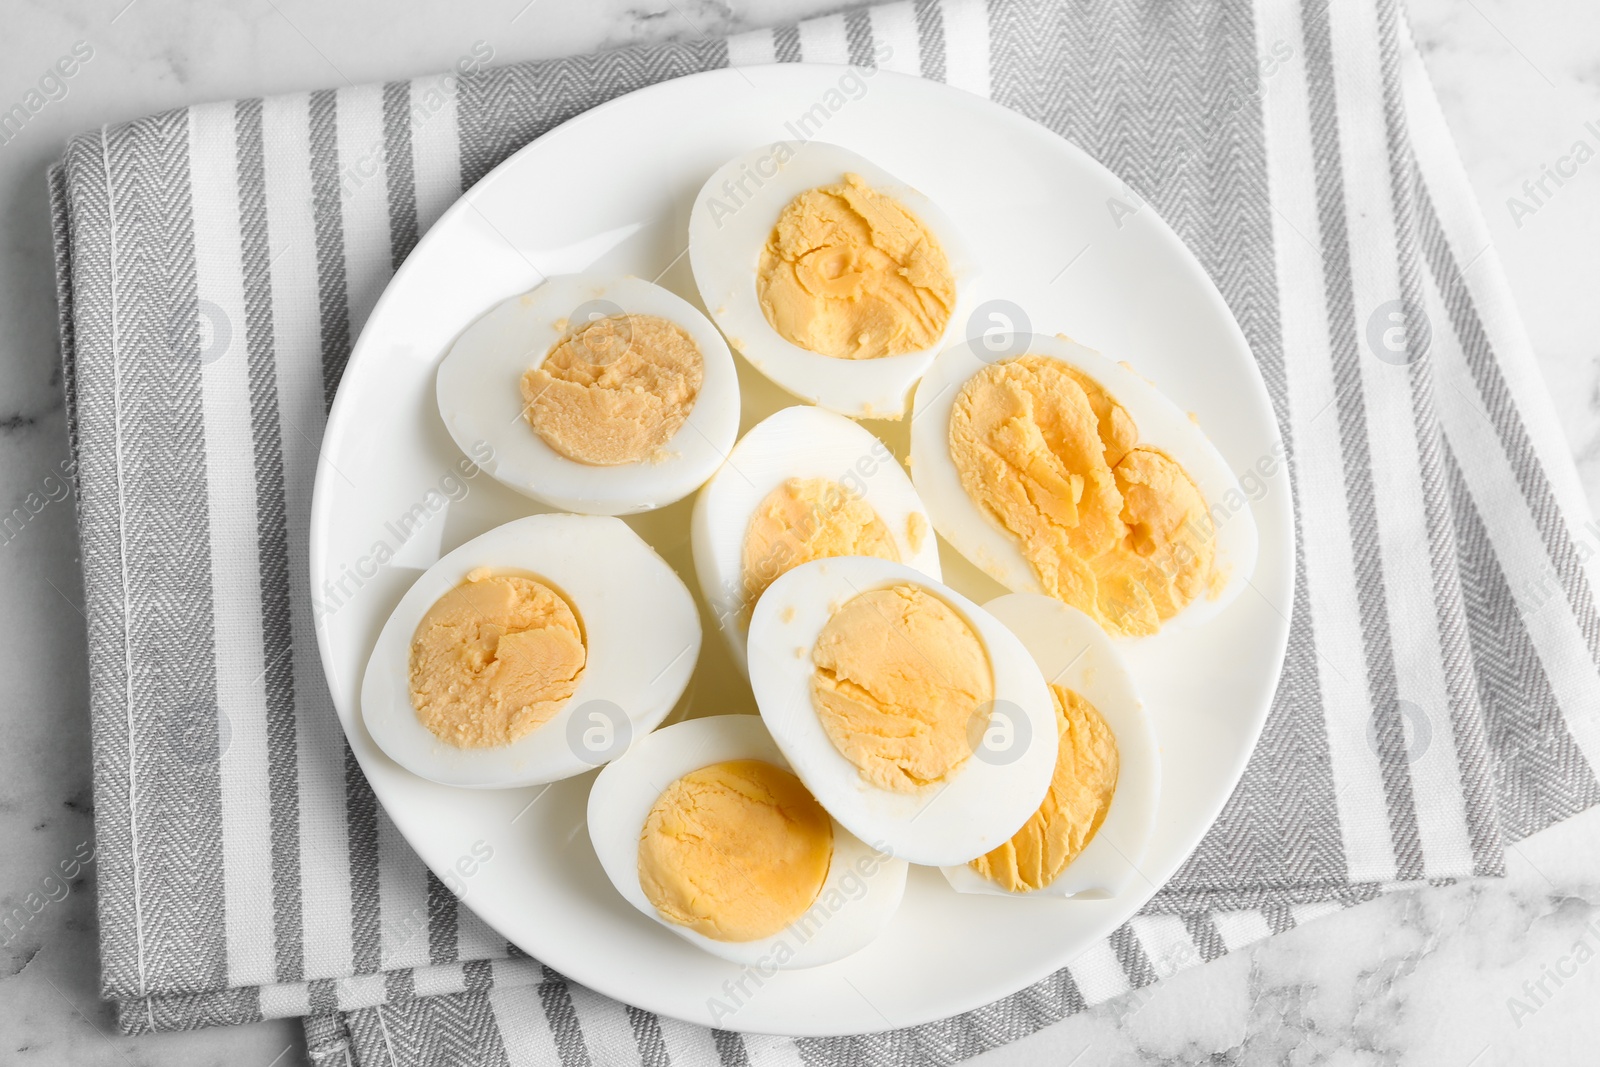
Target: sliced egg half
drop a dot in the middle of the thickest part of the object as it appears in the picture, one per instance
(854, 902)
(484, 406)
(1162, 426)
(733, 217)
(816, 462)
(641, 635)
(1073, 652)
(998, 778)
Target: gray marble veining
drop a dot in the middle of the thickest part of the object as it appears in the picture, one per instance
(1486, 973)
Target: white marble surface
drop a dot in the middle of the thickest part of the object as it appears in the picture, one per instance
(1419, 978)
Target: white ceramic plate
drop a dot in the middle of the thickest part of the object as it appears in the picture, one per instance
(1135, 294)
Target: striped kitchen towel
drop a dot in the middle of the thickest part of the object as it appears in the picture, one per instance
(1439, 697)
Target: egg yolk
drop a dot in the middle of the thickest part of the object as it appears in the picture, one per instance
(1080, 793)
(851, 273)
(615, 390)
(805, 519)
(494, 658)
(898, 678)
(916, 530)
(735, 851)
(1116, 530)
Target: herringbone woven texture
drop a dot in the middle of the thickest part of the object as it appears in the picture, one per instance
(1438, 696)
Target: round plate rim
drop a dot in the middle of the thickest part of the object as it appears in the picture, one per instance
(596, 977)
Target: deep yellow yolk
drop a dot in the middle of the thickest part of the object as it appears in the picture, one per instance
(1167, 558)
(898, 678)
(850, 273)
(1079, 797)
(615, 390)
(1116, 530)
(805, 519)
(736, 851)
(494, 658)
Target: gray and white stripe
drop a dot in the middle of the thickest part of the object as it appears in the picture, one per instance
(216, 263)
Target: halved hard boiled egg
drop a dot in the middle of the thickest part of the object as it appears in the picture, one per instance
(802, 484)
(913, 716)
(834, 278)
(1088, 837)
(703, 827)
(1058, 471)
(533, 652)
(594, 394)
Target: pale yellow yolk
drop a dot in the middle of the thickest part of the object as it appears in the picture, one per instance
(736, 851)
(494, 658)
(805, 519)
(850, 273)
(916, 530)
(1079, 797)
(1116, 530)
(899, 677)
(615, 390)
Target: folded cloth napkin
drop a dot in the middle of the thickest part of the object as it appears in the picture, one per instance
(1438, 700)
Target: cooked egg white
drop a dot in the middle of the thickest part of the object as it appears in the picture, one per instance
(594, 394)
(703, 828)
(802, 484)
(913, 716)
(531, 653)
(834, 278)
(1061, 472)
(1077, 844)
